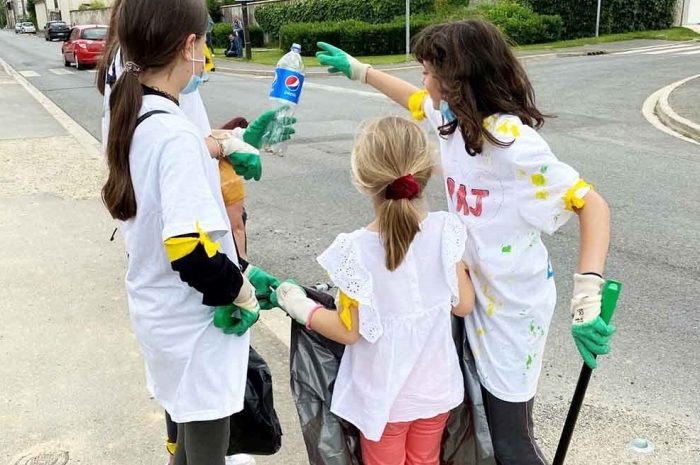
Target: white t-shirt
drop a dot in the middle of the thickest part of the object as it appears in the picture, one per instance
(506, 197)
(405, 366)
(191, 105)
(193, 369)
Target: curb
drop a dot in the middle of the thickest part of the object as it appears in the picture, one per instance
(413, 65)
(673, 120)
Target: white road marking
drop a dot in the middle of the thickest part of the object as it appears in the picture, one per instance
(60, 71)
(640, 50)
(29, 74)
(672, 50)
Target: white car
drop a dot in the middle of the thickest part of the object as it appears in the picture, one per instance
(18, 28)
(27, 28)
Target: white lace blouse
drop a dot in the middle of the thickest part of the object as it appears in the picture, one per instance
(404, 367)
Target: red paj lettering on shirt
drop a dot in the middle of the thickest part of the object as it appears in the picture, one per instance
(462, 206)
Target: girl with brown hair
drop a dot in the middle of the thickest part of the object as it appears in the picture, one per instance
(400, 279)
(507, 187)
(163, 187)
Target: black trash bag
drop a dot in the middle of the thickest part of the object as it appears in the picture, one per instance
(314, 362)
(256, 429)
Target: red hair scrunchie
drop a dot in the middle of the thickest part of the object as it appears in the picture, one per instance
(405, 187)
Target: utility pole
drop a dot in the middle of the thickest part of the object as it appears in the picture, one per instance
(597, 20)
(408, 30)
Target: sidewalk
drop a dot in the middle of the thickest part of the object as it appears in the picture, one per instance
(72, 386)
(678, 108)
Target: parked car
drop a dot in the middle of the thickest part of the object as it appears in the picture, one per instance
(22, 27)
(28, 28)
(84, 46)
(56, 30)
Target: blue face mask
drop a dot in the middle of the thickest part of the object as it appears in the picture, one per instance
(446, 112)
(197, 79)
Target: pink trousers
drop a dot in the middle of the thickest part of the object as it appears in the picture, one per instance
(406, 443)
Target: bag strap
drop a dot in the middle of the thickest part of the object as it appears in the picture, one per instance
(147, 115)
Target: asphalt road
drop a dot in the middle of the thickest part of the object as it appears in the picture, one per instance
(647, 386)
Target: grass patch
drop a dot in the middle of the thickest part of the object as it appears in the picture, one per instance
(675, 33)
(270, 57)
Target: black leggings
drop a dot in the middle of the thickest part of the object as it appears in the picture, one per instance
(202, 442)
(512, 431)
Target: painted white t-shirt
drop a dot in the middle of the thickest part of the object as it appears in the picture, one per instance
(405, 366)
(193, 369)
(507, 196)
(191, 104)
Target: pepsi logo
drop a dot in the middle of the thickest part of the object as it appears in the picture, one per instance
(292, 83)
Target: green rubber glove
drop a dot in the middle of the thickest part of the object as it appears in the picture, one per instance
(340, 62)
(256, 132)
(264, 284)
(232, 319)
(247, 165)
(591, 334)
(592, 338)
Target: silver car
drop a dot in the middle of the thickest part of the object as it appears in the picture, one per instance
(27, 28)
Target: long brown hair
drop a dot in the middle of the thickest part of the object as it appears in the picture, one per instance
(151, 33)
(479, 76)
(111, 47)
(387, 149)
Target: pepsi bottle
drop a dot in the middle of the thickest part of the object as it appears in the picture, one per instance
(285, 91)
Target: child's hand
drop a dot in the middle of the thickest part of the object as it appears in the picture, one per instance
(340, 62)
(255, 133)
(291, 298)
(591, 334)
(264, 284)
(246, 165)
(242, 314)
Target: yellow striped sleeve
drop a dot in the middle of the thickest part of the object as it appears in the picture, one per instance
(415, 104)
(345, 304)
(178, 247)
(574, 197)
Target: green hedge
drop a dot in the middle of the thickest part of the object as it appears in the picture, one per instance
(518, 22)
(521, 24)
(617, 16)
(220, 32)
(272, 17)
(355, 37)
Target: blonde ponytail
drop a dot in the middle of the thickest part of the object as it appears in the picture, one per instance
(392, 163)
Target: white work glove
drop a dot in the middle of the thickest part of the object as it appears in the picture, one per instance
(291, 298)
(585, 304)
(232, 143)
(246, 299)
(591, 334)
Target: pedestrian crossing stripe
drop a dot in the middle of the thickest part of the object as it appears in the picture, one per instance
(60, 71)
(675, 49)
(671, 50)
(29, 74)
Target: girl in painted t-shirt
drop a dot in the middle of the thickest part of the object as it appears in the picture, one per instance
(506, 185)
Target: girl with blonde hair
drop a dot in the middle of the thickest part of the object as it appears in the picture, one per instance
(400, 279)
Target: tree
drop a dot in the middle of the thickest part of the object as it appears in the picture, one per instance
(3, 16)
(214, 7)
(31, 11)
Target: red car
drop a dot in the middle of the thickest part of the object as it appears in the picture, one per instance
(84, 46)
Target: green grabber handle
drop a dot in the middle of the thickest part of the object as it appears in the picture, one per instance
(610, 294)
